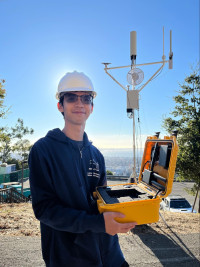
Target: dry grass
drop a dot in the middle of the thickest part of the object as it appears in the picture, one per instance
(179, 223)
(19, 220)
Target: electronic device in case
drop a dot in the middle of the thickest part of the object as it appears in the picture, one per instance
(140, 201)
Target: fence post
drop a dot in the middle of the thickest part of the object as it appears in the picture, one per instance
(22, 179)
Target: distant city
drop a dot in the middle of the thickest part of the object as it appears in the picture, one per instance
(120, 161)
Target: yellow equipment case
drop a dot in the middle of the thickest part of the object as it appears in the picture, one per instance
(140, 201)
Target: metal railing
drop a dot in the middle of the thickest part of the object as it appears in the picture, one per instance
(11, 195)
(117, 177)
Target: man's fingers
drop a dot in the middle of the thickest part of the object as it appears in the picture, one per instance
(117, 215)
(125, 230)
(113, 227)
(127, 225)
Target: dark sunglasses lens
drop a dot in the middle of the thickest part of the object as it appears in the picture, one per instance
(86, 99)
(71, 98)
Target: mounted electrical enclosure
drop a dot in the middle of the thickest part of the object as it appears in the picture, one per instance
(140, 202)
(132, 100)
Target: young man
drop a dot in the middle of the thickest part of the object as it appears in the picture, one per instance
(65, 169)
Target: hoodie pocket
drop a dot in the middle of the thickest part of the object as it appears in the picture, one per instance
(87, 248)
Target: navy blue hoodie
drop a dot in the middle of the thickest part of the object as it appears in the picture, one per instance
(62, 180)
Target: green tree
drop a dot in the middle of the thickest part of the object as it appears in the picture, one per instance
(5, 144)
(109, 172)
(5, 138)
(3, 110)
(21, 146)
(186, 119)
(12, 140)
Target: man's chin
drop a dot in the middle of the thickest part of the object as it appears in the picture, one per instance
(79, 122)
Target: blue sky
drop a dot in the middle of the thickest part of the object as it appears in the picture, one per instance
(42, 40)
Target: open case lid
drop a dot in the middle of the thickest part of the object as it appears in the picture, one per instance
(159, 163)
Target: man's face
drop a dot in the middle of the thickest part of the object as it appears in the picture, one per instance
(75, 112)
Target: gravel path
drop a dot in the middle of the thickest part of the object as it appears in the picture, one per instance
(20, 252)
(140, 250)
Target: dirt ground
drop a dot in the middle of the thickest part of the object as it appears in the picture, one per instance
(171, 242)
(19, 220)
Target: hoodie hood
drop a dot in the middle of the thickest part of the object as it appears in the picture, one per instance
(59, 136)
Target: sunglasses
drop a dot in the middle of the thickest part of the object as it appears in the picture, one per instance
(72, 98)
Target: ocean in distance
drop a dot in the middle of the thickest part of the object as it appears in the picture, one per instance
(121, 152)
(109, 152)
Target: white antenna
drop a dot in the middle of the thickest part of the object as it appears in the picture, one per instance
(134, 77)
(133, 46)
(170, 53)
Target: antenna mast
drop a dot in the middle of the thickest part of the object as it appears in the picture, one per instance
(135, 76)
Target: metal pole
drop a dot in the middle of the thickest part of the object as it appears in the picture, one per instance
(196, 197)
(22, 178)
(134, 161)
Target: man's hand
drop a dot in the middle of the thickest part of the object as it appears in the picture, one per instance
(113, 227)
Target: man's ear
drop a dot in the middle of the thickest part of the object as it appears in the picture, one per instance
(92, 108)
(60, 107)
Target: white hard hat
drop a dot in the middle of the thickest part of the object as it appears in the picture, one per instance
(75, 81)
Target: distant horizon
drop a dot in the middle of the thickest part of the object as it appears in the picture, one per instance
(121, 152)
(109, 152)
(120, 148)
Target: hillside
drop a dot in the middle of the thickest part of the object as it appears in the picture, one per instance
(19, 220)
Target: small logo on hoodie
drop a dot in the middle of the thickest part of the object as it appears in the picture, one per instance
(93, 169)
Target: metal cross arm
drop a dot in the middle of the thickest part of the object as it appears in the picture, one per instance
(113, 77)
